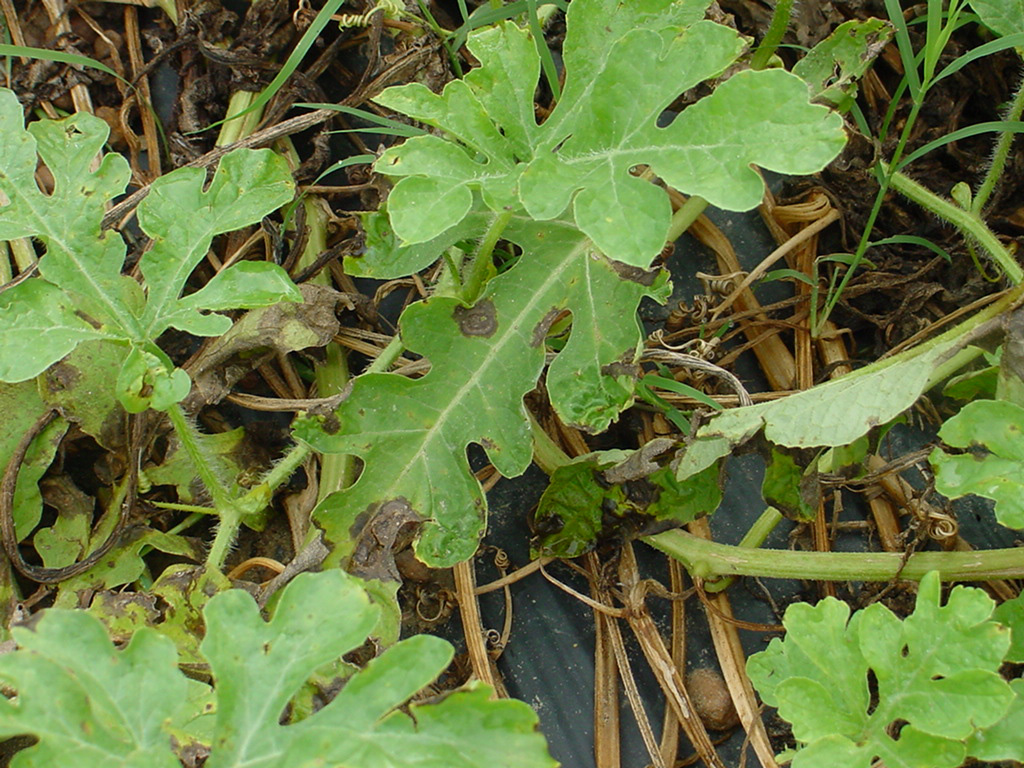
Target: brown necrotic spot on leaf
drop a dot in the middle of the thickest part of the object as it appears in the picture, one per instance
(478, 320)
(645, 277)
(540, 331)
(374, 553)
(622, 367)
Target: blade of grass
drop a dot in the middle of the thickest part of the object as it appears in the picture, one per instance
(291, 63)
(994, 126)
(45, 54)
(389, 127)
(546, 61)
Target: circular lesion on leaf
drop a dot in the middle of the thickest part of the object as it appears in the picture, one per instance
(478, 320)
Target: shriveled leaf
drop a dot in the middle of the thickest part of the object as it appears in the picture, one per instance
(412, 434)
(257, 336)
(625, 63)
(992, 432)
(788, 487)
(124, 565)
(936, 672)
(833, 65)
(580, 507)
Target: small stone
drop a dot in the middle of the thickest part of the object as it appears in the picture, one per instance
(711, 699)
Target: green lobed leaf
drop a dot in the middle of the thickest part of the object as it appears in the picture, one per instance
(91, 705)
(412, 434)
(936, 673)
(87, 703)
(78, 260)
(182, 217)
(991, 431)
(81, 294)
(625, 63)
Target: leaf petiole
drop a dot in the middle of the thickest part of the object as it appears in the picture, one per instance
(710, 560)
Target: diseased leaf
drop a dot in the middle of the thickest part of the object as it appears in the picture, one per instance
(412, 434)
(992, 431)
(79, 385)
(936, 672)
(833, 65)
(625, 63)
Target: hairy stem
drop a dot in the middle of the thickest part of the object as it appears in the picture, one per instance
(189, 437)
(968, 222)
(770, 43)
(477, 277)
(1000, 153)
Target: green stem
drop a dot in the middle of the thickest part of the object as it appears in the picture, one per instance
(708, 560)
(387, 356)
(285, 468)
(234, 129)
(230, 520)
(752, 539)
(684, 217)
(482, 264)
(189, 438)
(546, 453)
(770, 43)
(1001, 152)
(194, 509)
(968, 222)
